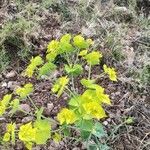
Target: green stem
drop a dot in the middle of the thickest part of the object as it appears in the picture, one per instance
(73, 86)
(70, 92)
(89, 74)
(32, 103)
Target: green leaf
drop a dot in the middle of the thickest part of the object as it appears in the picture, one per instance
(85, 134)
(39, 113)
(60, 85)
(98, 130)
(86, 125)
(23, 92)
(65, 38)
(6, 137)
(43, 131)
(46, 69)
(74, 70)
(15, 105)
(83, 53)
(93, 147)
(75, 101)
(87, 83)
(93, 58)
(66, 132)
(65, 48)
(6, 99)
(37, 61)
(51, 56)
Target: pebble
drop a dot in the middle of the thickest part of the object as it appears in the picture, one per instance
(86, 67)
(27, 119)
(50, 106)
(105, 123)
(12, 85)
(4, 84)
(25, 107)
(11, 74)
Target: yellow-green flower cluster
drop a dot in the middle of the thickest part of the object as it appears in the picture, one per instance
(111, 72)
(66, 116)
(4, 103)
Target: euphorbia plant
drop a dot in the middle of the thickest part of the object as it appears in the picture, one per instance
(84, 110)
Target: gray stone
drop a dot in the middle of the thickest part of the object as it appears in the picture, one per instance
(50, 106)
(27, 119)
(25, 107)
(4, 84)
(11, 74)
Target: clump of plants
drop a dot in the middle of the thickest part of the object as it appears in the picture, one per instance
(84, 110)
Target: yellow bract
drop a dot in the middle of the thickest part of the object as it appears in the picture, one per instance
(52, 46)
(66, 116)
(2, 109)
(57, 137)
(25, 91)
(94, 110)
(60, 84)
(111, 72)
(27, 133)
(4, 102)
(83, 53)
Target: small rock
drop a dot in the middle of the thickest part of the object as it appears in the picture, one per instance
(12, 85)
(4, 84)
(11, 74)
(25, 107)
(1, 77)
(86, 67)
(50, 106)
(27, 119)
(105, 123)
(76, 148)
(121, 9)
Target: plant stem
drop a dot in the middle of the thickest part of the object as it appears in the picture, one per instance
(73, 83)
(70, 92)
(89, 74)
(32, 103)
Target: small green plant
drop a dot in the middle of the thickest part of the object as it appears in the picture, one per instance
(84, 110)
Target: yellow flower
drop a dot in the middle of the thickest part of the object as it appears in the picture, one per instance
(90, 41)
(27, 133)
(66, 116)
(94, 110)
(111, 72)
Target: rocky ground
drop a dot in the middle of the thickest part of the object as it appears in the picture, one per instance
(124, 42)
